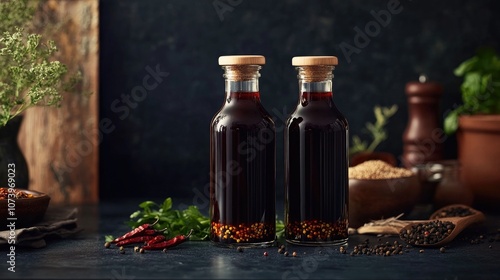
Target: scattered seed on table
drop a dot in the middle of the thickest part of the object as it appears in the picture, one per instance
(164, 250)
(442, 250)
(294, 254)
(107, 244)
(282, 247)
(141, 251)
(286, 254)
(266, 254)
(239, 249)
(490, 246)
(136, 249)
(280, 251)
(421, 251)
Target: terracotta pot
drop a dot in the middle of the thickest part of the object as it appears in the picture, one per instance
(365, 156)
(479, 156)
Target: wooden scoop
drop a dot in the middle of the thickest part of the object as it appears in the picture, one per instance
(394, 225)
(460, 223)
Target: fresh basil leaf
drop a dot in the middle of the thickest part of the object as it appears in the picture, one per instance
(108, 238)
(147, 205)
(451, 122)
(167, 204)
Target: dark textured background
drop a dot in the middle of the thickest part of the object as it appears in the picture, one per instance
(161, 147)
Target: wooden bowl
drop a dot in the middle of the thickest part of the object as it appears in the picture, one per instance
(27, 211)
(374, 199)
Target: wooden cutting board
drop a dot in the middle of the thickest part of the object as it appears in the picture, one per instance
(61, 144)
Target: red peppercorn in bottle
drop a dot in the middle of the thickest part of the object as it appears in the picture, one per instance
(316, 159)
(242, 160)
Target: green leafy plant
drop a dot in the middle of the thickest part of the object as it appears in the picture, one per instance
(29, 76)
(480, 87)
(376, 130)
(177, 222)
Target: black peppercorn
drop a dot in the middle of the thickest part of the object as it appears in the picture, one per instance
(427, 233)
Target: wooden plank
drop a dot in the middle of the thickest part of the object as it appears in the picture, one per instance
(61, 144)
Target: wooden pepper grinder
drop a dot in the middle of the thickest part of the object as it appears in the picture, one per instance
(423, 137)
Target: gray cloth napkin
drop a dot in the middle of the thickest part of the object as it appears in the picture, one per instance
(56, 222)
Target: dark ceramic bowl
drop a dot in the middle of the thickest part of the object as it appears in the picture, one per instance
(374, 199)
(28, 211)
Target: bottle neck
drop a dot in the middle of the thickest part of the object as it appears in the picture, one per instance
(315, 83)
(242, 82)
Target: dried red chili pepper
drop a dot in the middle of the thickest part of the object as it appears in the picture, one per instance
(150, 232)
(135, 232)
(137, 239)
(156, 239)
(169, 243)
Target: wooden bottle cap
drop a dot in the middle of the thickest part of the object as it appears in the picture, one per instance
(314, 60)
(242, 60)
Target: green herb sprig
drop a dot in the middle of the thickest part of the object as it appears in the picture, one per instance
(29, 76)
(376, 130)
(177, 222)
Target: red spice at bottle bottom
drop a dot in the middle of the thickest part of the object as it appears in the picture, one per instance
(316, 231)
(242, 233)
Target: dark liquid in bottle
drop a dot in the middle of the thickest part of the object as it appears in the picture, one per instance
(242, 158)
(316, 162)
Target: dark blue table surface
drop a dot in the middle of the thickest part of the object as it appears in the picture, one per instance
(85, 257)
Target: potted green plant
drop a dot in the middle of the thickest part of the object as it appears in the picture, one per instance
(29, 76)
(477, 123)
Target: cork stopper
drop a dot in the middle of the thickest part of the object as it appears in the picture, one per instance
(315, 68)
(314, 60)
(242, 60)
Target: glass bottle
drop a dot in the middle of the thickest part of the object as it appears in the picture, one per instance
(316, 159)
(242, 160)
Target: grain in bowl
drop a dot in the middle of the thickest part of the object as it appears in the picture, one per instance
(377, 169)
